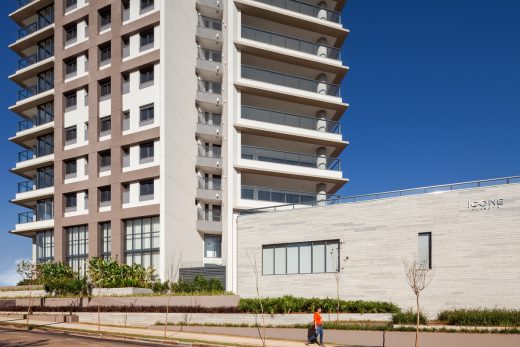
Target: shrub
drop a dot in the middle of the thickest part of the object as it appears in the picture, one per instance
(199, 285)
(60, 279)
(29, 272)
(480, 317)
(291, 304)
(160, 287)
(110, 274)
(409, 317)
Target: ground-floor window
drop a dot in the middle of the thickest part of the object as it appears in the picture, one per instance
(106, 239)
(425, 250)
(300, 258)
(142, 242)
(44, 246)
(77, 248)
(212, 246)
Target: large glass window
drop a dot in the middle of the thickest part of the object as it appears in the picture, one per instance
(425, 250)
(45, 113)
(44, 209)
(77, 247)
(44, 246)
(212, 246)
(301, 258)
(142, 242)
(45, 145)
(45, 177)
(106, 239)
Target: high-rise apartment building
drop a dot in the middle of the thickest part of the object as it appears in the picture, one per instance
(148, 125)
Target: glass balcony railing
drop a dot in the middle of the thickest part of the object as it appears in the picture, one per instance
(25, 217)
(209, 55)
(25, 124)
(209, 183)
(210, 23)
(216, 152)
(289, 158)
(290, 81)
(33, 59)
(22, 3)
(290, 43)
(41, 23)
(278, 195)
(214, 215)
(293, 120)
(31, 91)
(307, 9)
(25, 186)
(25, 155)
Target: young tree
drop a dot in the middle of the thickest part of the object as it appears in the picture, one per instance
(418, 277)
(338, 267)
(252, 261)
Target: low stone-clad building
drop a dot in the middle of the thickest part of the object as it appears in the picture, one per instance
(468, 234)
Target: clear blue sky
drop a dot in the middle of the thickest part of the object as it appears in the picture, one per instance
(434, 90)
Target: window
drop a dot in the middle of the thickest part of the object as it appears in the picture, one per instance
(44, 209)
(142, 242)
(105, 124)
(301, 258)
(44, 145)
(146, 152)
(105, 53)
(44, 246)
(425, 250)
(105, 196)
(71, 34)
(146, 190)
(126, 120)
(106, 239)
(105, 18)
(71, 68)
(212, 246)
(146, 5)
(71, 168)
(71, 135)
(44, 113)
(146, 40)
(70, 4)
(105, 90)
(71, 101)
(126, 193)
(105, 159)
(146, 114)
(71, 202)
(77, 247)
(45, 177)
(146, 77)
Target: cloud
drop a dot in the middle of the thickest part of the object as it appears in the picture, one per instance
(8, 275)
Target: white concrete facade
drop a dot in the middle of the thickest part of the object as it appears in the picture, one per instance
(474, 249)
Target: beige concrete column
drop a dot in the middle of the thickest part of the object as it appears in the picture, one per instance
(323, 47)
(321, 194)
(321, 160)
(322, 13)
(322, 84)
(321, 123)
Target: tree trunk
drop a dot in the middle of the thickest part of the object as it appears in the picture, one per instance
(337, 310)
(417, 325)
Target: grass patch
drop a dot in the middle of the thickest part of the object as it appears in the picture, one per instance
(481, 317)
(409, 317)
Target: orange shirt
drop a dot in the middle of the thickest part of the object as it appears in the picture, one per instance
(317, 318)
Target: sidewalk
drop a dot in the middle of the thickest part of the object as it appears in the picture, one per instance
(190, 337)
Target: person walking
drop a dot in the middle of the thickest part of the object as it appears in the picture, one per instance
(318, 324)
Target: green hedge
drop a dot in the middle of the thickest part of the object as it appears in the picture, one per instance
(108, 273)
(291, 304)
(409, 317)
(199, 285)
(481, 317)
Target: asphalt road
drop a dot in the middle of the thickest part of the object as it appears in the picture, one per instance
(24, 338)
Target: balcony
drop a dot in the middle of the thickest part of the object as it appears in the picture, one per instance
(39, 24)
(28, 192)
(209, 32)
(33, 59)
(28, 162)
(28, 223)
(209, 95)
(209, 190)
(22, 3)
(28, 131)
(209, 161)
(32, 91)
(278, 195)
(289, 81)
(305, 9)
(290, 43)
(209, 131)
(210, 7)
(209, 221)
(292, 120)
(289, 158)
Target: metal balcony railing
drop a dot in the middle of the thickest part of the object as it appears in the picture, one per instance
(307, 9)
(290, 43)
(289, 158)
(25, 217)
(277, 195)
(33, 59)
(25, 186)
(209, 183)
(25, 155)
(290, 81)
(31, 91)
(41, 23)
(274, 117)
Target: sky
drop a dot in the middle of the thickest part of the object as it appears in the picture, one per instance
(434, 94)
